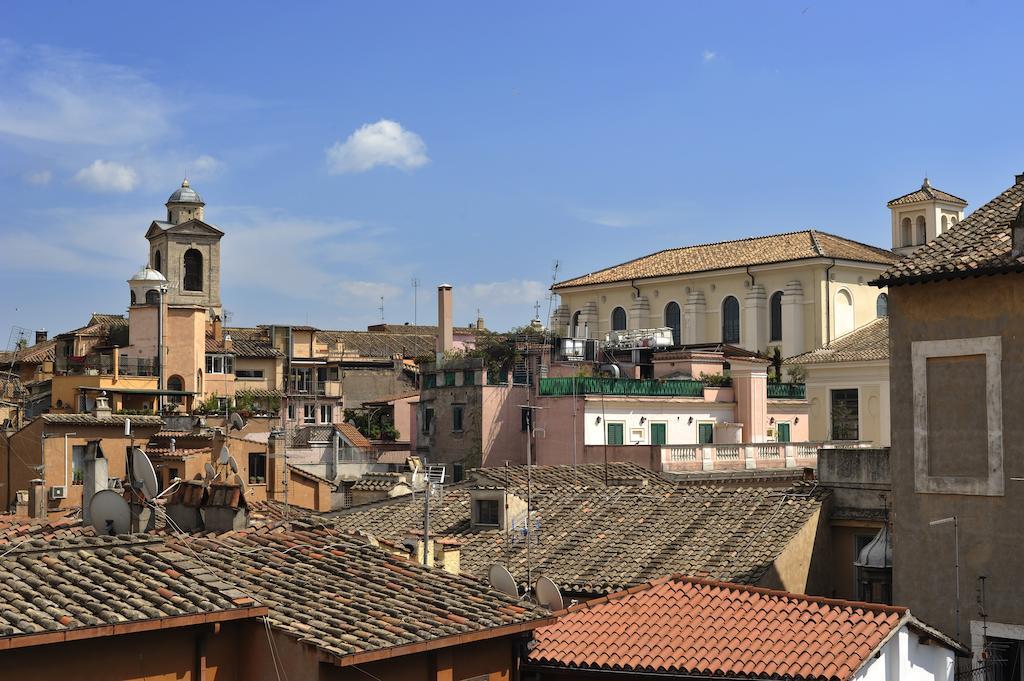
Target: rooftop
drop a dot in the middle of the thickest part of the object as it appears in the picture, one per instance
(91, 420)
(184, 194)
(865, 344)
(687, 626)
(979, 244)
(596, 538)
(762, 250)
(926, 193)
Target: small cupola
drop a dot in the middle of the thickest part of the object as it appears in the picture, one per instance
(923, 215)
(184, 204)
(146, 285)
(874, 568)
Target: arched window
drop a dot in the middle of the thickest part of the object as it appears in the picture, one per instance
(844, 312)
(158, 262)
(152, 297)
(193, 270)
(775, 317)
(882, 305)
(921, 235)
(177, 384)
(672, 321)
(945, 223)
(730, 320)
(133, 297)
(574, 328)
(906, 233)
(618, 319)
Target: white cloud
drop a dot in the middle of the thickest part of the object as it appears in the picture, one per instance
(62, 96)
(107, 176)
(708, 55)
(375, 144)
(40, 178)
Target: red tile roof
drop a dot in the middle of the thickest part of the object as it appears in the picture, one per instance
(703, 627)
(352, 434)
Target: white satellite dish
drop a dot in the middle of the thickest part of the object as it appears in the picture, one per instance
(224, 455)
(211, 472)
(110, 513)
(236, 421)
(548, 594)
(233, 464)
(502, 580)
(143, 472)
(240, 483)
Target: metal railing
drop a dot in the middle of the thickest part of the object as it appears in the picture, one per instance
(103, 365)
(787, 391)
(620, 386)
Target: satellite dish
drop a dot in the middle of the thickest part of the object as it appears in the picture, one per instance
(225, 455)
(233, 464)
(548, 594)
(143, 472)
(240, 483)
(236, 421)
(110, 513)
(211, 472)
(502, 580)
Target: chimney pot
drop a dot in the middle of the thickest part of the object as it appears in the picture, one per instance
(36, 499)
(445, 334)
(42, 335)
(1018, 178)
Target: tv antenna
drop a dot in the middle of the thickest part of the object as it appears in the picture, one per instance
(415, 300)
(381, 308)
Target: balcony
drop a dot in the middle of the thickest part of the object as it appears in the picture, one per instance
(746, 456)
(103, 365)
(314, 388)
(787, 391)
(556, 387)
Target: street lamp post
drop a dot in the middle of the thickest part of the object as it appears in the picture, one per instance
(956, 562)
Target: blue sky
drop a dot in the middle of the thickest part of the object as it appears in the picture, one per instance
(346, 148)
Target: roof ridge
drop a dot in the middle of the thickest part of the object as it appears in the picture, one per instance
(815, 244)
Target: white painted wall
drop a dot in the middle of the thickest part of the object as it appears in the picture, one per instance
(675, 415)
(904, 658)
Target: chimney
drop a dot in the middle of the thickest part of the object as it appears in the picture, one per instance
(41, 334)
(116, 357)
(94, 478)
(229, 344)
(1018, 178)
(21, 503)
(1017, 234)
(217, 328)
(446, 554)
(414, 541)
(445, 338)
(480, 323)
(36, 499)
(102, 408)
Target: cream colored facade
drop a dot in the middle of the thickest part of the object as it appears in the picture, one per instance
(821, 300)
(869, 379)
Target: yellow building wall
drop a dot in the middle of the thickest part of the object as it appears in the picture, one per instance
(64, 391)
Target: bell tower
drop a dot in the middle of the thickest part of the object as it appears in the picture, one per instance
(923, 215)
(186, 250)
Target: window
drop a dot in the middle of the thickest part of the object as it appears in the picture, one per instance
(457, 411)
(672, 321)
(172, 475)
(428, 420)
(220, 364)
(496, 377)
(705, 433)
(615, 433)
(133, 298)
(193, 270)
(945, 223)
(175, 383)
(152, 297)
(882, 305)
(525, 419)
(920, 231)
(730, 320)
(321, 374)
(449, 378)
(906, 233)
(430, 381)
(775, 316)
(158, 263)
(309, 413)
(248, 373)
(302, 379)
(843, 310)
(782, 434)
(468, 377)
(77, 464)
(291, 412)
(658, 433)
(845, 413)
(487, 512)
(618, 319)
(574, 328)
(326, 413)
(458, 472)
(257, 467)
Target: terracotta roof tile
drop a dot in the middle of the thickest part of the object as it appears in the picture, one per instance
(760, 250)
(868, 343)
(692, 626)
(926, 193)
(352, 434)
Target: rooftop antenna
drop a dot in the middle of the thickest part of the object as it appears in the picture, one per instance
(415, 301)
(381, 308)
(110, 513)
(551, 292)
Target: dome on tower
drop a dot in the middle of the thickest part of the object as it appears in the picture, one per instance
(148, 274)
(185, 194)
(878, 552)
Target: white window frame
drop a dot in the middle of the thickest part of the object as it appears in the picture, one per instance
(309, 413)
(991, 347)
(326, 413)
(220, 364)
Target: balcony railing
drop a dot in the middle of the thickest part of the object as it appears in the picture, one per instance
(787, 391)
(746, 455)
(103, 365)
(620, 386)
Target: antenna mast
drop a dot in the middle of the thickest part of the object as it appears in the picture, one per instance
(381, 308)
(415, 301)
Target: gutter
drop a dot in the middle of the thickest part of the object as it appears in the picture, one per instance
(828, 304)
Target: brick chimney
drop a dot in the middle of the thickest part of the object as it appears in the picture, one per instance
(36, 499)
(445, 336)
(447, 554)
(217, 328)
(102, 407)
(41, 336)
(95, 478)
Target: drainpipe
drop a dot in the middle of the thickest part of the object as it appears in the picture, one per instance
(828, 304)
(752, 282)
(635, 288)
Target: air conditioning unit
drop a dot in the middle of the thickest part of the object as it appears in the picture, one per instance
(58, 492)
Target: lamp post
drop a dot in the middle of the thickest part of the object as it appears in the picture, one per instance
(956, 562)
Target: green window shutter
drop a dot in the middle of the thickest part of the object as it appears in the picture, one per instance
(658, 434)
(615, 433)
(783, 434)
(449, 378)
(468, 377)
(705, 433)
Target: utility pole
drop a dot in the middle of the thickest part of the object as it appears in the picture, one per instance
(426, 509)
